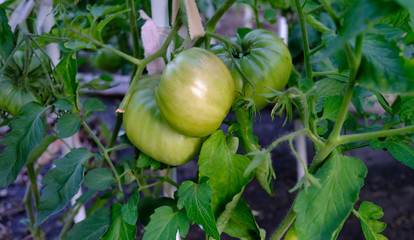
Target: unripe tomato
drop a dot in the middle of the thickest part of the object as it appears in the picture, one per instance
(148, 131)
(195, 93)
(13, 98)
(265, 60)
(106, 60)
(291, 234)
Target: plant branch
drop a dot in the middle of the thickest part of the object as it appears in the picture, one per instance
(305, 41)
(224, 40)
(134, 32)
(317, 49)
(284, 226)
(116, 129)
(212, 22)
(377, 134)
(331, 12)
(335, 72)
(105, 154)
(285, 138)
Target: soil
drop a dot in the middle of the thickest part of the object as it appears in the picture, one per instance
(388, 184)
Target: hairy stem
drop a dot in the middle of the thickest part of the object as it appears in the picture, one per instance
(305, 41)
(105, 154)
(284, 226)
(134, 32)
(212, 22)
(224, 40)
(377, 134)
(285, 138)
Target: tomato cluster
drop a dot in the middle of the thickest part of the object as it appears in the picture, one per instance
(169, 115)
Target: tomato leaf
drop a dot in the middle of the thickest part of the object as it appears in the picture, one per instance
(196, 199)
(332, 107)
(130, 210)
(65, 73)
(147, 206)
(368, 213)
(409, 5)
(382, 67)
(41, 148)
(406, 109)
(67, 125)
(119, 229)
(99, 179)
(321, 212)
(357, 18)
(92, 105)
(63, 104)
(62, 183)
(224, 170)
(27, 132)
(165, 223)
(325, 88)
(242, 224)
(93, 227)
(6, 36)
(399, 149)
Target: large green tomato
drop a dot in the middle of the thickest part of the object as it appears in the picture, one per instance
(265, 60)
(12, 98)
(148, 131)
(195, 93)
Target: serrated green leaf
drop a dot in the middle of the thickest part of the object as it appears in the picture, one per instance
(62, 183)
(67, 125)
(92, 105)
(65, 74)
(382, 68)
(6, 36)
(357, 18)
(242, 224)
(119, 229)
(101, 10)
(321, 212)
(406, 109)
(368, 213)
(130, 210)
(27, 133)
(325, 88)
(399, 149)
(147, 206)
(146, 161)
(232, 143)
(165, 223)
(224, 217)
(109, 18)
(224, 170)
(63, 104)
(93, 227)
(100, 201)
(196, 198)
(41, 148)
(99, 179)
(86, 196)
(409, 5)
(332, 107)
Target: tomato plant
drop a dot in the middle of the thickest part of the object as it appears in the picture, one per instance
(154, 136)
(195, 93)
(189, 108)
(264, 60)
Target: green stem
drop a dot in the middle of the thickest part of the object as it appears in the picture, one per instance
(305, 41)
(105, 154)
(317, 49)
(331, 12)
(147, 60)
(33, 183)
(212, 22)
(134, 32)
(10, 58)
(256, 15)
(117, 147)
(28, 203)
(284, 226)
(224, 40)
(285, 138)
(116, 51)
(45, 70)
(49, 37)
(26, 63)
(116, 129)
(166, 179)
(335, 72)
(377, 134)
(68, 223)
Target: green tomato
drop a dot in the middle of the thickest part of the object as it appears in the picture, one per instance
(148, 131)
(265, 60)
(195, 93)
(291, 234)
(13, 98)
(106, 60)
